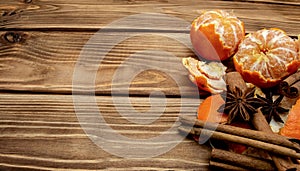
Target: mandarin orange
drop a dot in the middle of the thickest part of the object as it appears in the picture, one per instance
(216, 34)
(267, 56)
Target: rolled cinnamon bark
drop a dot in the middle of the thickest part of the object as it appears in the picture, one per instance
(241, 160)
(272, 148)
(260, 123)
(293, 78)
(290, 87)
(234, 79)
(252, 134)
(225, 167)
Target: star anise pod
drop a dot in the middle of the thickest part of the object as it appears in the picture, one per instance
(270, 108)
(239, 104)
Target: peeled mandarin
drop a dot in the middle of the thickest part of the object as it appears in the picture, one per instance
(216, 34)
(266, 57)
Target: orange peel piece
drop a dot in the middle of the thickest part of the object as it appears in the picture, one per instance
(208, 110)
(291, 127)
(207, 76)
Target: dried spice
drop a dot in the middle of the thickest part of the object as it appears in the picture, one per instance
(290, 87)
(288, 90)
(239, 104)
(260, 123)
(271, 108)
(279, 147)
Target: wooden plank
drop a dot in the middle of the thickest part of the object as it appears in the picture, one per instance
(82, 14)
(45, 61)
(41, 132)
(284, 2)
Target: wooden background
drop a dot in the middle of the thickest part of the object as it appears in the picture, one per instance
(40, 42)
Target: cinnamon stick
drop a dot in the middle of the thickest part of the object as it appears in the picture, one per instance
(290, 87)
(275, 149)
(234, 79)
(224, 166)
(240, 160)
(293, 78)
(260, 123)
(252, 134)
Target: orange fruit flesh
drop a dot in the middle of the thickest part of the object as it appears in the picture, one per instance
(266, 57)
(216, 34)
(292, 125)
(208, 109)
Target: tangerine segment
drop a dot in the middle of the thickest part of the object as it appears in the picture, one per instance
(292, 125)
(216, 34)
(265, 57)
(208, 110)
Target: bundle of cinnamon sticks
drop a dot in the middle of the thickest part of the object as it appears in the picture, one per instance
(274, 144)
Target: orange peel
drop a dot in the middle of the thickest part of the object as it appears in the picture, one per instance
(207, 76)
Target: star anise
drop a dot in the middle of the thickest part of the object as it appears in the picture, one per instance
(239, 104)
(270, 108)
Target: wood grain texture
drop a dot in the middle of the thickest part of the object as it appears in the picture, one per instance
(42, 132)
(287, 2)
(45, 61)
(92, 15)
(40, 44)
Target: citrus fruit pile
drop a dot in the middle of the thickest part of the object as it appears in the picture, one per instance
(263, 58)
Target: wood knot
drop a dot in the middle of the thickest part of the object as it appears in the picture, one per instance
(14, 37)
(130, 1)
(7, 13)
(27, 1)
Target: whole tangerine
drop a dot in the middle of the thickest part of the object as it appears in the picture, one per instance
(216, 34)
